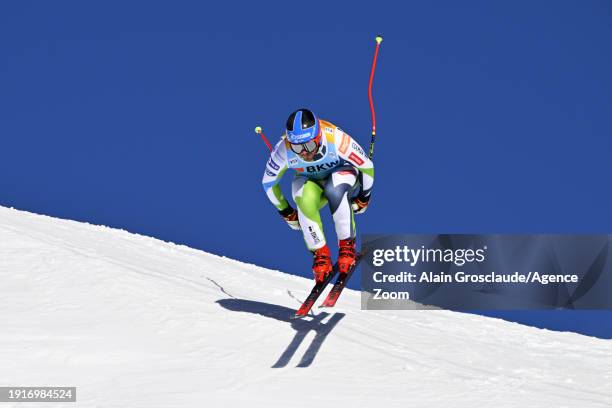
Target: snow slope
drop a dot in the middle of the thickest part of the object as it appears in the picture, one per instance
(136, 322)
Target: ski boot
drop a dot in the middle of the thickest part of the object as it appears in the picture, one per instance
(346, 255)
(321, 265)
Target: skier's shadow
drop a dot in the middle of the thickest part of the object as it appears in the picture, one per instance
(302, 327)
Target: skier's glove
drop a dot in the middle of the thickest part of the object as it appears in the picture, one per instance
(360, 204)
(291, 217)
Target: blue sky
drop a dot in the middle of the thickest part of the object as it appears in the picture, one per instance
(493, 117)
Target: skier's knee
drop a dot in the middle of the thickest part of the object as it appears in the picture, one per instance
(335, 195)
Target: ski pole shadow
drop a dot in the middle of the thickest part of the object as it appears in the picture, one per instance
(302, 327)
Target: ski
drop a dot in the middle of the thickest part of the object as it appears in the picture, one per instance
(316, 291)
(334, 293)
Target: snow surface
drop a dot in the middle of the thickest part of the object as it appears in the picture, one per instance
(136, 322)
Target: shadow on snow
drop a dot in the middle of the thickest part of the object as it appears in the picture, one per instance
(302, 327)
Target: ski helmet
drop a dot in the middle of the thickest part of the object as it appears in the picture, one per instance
(302, 126)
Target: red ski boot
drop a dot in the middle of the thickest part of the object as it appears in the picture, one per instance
(321, 266)
(346, 255)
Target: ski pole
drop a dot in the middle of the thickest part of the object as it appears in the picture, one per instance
(378, 41)
(263, 137)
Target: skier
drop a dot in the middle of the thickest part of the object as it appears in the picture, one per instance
(329, 165)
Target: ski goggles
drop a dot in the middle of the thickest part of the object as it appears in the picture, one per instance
(309, 146)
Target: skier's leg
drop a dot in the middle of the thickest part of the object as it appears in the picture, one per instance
(337, 191)
(307, 194)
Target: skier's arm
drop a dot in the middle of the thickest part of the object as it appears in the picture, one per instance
(352, 152)
(275, 169)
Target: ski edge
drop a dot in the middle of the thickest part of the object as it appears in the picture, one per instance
(315, 292)
(339, 285)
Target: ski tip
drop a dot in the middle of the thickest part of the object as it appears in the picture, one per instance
(328, 304)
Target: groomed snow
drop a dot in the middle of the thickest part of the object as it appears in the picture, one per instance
(132, 321)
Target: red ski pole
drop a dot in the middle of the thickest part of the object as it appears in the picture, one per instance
(378, 41)
(263, 137)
